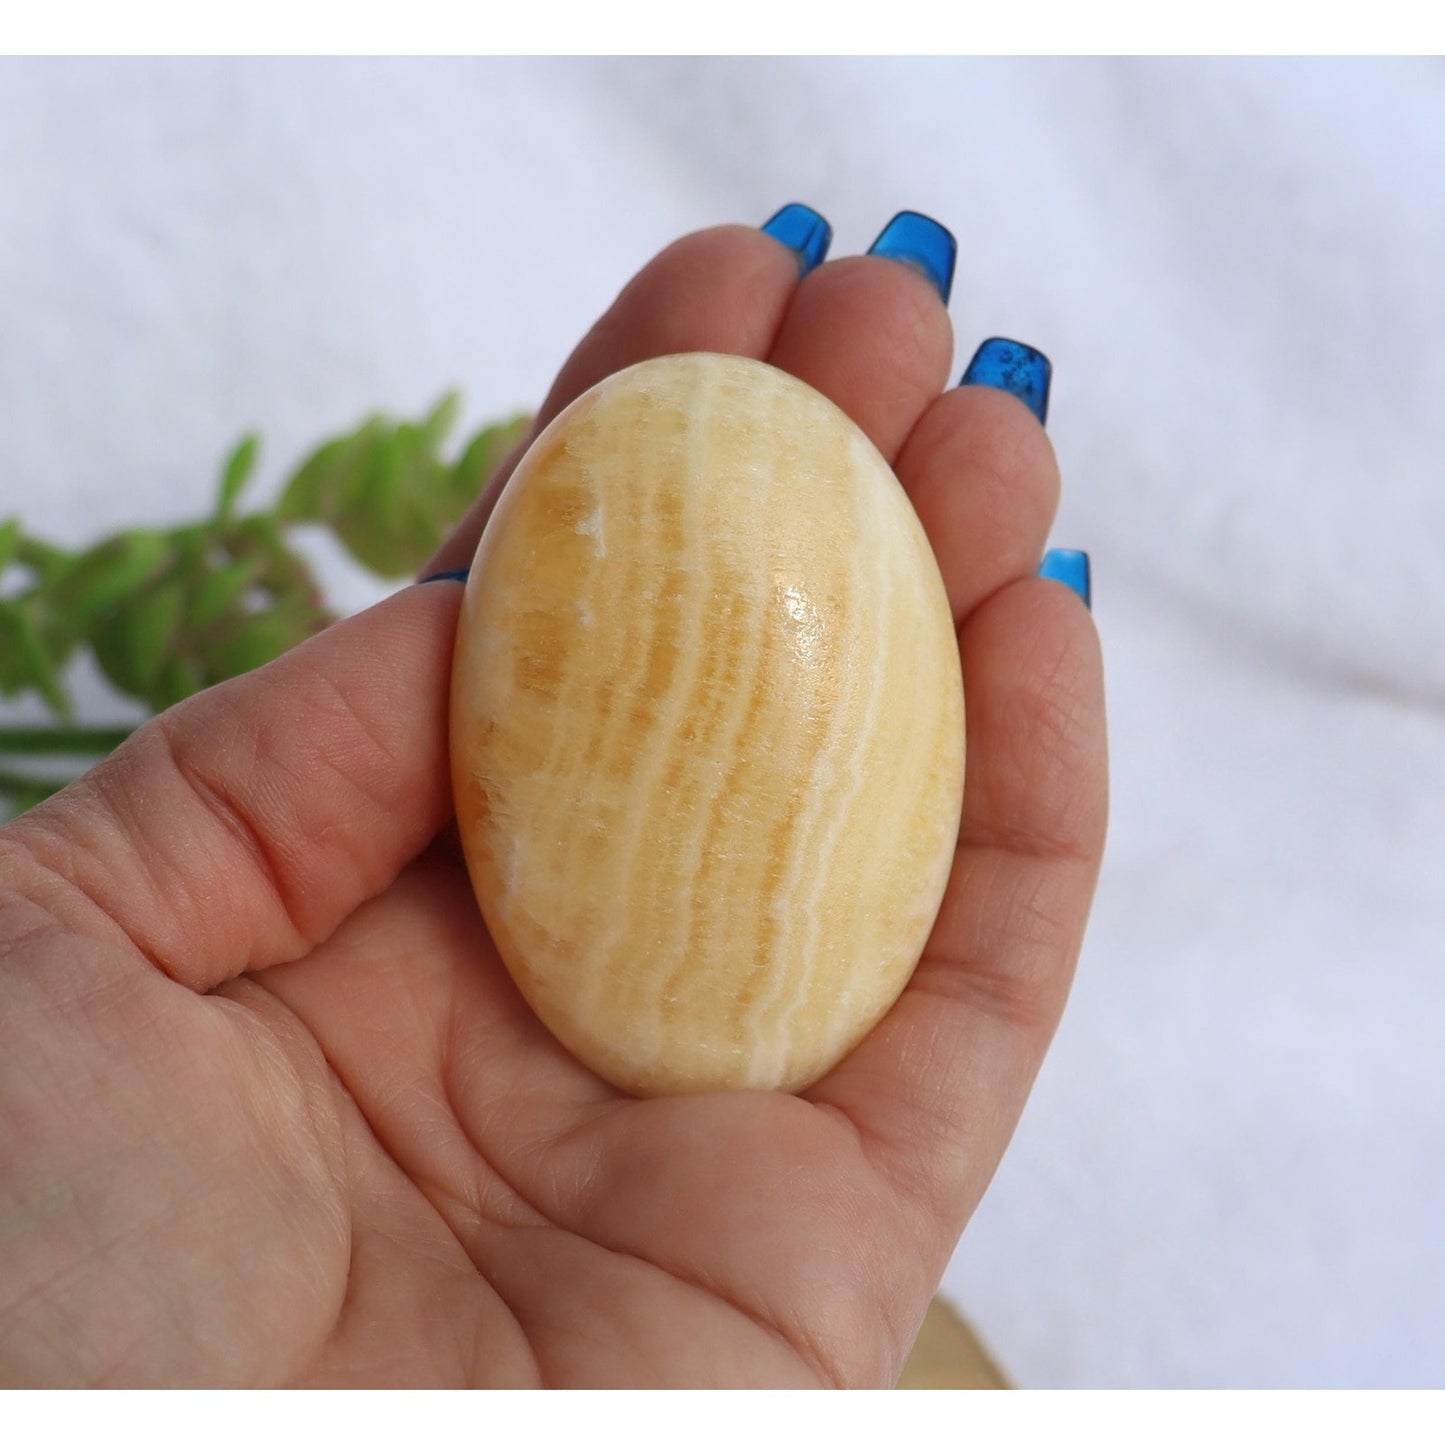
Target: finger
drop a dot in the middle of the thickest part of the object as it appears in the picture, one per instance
(723, 289)
(240, 827)
(872, 334)
(982, 477)
(936, 1089)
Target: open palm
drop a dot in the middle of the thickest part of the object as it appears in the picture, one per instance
(271, 1111)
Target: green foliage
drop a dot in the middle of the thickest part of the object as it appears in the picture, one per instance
(385, 489)
(235, 474)
(166, 612)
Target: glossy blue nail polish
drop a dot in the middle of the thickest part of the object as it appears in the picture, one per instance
(918, 240)
(1070, 568)
(1012, 366)
(804, 230)
(457, 574)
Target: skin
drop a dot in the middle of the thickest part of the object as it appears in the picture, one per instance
(272, 1113)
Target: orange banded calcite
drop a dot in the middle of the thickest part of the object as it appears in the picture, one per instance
(707, 729)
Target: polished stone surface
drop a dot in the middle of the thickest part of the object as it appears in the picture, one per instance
(707, 729)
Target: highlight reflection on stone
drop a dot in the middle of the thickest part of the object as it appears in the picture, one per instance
(707, 729)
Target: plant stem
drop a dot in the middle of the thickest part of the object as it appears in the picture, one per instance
(61, 740)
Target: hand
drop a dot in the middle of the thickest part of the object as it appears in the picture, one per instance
(271, 1111)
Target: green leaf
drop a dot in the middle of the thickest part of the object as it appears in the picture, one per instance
(25, 662)
(167, 612)
(256, 639)
(132, 646)
(285, 573)
(378, 520)
(96, 581)
(441, 420)
(484, 454)
(223, 590)
(302, 498)
(179, 678)
(386, 492)
(313, 494)
(14, 672)
(9, 541)
(235, 474)
(43, 558)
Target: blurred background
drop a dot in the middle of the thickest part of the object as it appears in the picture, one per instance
(1232, 1171)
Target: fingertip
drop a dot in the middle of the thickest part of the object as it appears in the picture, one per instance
(1034, 680)
(722, 289)
(1014, 367)
(874, 338)
(725, 289)
(914, 239)
(984, 480)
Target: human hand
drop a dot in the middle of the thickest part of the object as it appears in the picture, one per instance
(272, 1112)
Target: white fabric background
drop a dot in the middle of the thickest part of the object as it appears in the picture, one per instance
(1233, 1168)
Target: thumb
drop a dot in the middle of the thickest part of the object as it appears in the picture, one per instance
(237, 829)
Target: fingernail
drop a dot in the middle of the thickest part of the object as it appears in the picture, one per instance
(918, 240)
(1070, 568)
(802, 229)
(457, 574)
(1012, 366)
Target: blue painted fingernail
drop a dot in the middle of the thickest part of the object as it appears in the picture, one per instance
(1012, 366)
(457, 574)
(1070, 568)
(918, 240)
(802, 229)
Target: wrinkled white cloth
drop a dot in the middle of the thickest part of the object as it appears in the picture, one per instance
(1232, 1171)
